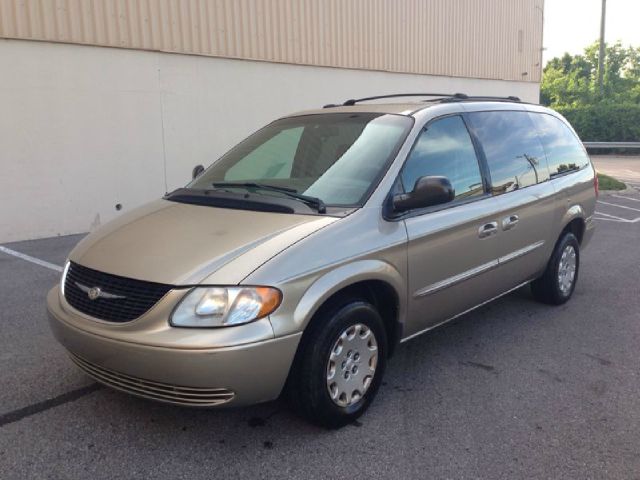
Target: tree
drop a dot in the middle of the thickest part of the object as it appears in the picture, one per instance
(572, 80)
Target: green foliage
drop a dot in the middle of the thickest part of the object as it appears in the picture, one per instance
(572, 80)
(570, 85)
(604, 122)
(609, 183)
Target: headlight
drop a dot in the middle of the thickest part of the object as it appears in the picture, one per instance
(225, 306)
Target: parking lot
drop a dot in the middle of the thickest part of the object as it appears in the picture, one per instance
(512, 390)
(623, 167)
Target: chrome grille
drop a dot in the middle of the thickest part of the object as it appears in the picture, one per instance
(163, 392)
(125, 299)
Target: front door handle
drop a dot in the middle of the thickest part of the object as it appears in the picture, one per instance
(488, 229)
(509, 222)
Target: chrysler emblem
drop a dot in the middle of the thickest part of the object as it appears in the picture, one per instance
(95, 292)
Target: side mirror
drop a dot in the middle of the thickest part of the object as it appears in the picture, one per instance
(427, 191)
(197, 171)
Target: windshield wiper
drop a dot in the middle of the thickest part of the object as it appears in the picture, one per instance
(314, 202)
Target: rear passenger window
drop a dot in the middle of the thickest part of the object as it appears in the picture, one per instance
(445, 149)
(512, 148)
(564, 151)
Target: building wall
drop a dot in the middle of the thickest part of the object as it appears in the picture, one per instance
(496, 39)
(84, 128)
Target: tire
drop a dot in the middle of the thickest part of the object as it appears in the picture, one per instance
(557, 283)
(347, 321)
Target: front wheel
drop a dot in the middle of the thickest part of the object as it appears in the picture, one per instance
(557, 283)
(340, 364)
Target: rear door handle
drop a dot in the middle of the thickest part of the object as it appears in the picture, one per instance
(488, 229)
(509, 222)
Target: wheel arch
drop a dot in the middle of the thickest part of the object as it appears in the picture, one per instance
(372, 280)
(574, 221)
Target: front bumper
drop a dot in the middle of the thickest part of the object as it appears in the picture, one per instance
(194, 375)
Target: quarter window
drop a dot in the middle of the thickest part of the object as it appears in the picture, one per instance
(445, 149)
(564, 151)
(514, 154)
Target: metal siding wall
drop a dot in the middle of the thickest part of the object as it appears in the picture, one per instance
(466, 38)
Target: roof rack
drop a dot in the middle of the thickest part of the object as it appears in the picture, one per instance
(460, 97)
(443, 97)
(353, 101)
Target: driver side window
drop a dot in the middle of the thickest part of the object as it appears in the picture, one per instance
(445, 148)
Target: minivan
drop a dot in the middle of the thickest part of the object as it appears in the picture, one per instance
(300, 260)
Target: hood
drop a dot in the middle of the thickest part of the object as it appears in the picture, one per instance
(182, 244)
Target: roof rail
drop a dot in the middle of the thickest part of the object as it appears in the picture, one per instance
(443, 97)
(461, 97)
(353, 101)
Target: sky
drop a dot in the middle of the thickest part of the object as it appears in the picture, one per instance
(571, 25)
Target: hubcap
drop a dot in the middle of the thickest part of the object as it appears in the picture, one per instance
(352, 365)
(567, 269)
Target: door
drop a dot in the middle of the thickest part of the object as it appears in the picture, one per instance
(525, 198)
(451, 250)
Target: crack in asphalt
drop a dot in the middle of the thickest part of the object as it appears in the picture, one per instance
(21, 413)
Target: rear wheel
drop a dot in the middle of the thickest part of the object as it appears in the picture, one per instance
(340, 364)
(557, 283)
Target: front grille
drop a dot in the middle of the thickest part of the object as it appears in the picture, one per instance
(122, 299)
(163, 392)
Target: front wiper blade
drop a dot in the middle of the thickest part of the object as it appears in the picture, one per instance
(314, 202)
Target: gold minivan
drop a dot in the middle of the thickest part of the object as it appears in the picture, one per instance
(301, 259)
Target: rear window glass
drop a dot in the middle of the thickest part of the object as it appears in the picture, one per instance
(565, 152)
(514, 153)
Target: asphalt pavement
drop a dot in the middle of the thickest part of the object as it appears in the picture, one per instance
(512, 390)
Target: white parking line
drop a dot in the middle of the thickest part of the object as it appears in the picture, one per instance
(626, 198)
(31, 259)
(610, 220)
(611, 217)
(616, 219)
(619, 206)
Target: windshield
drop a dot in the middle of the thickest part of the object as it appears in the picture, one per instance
(337, 158)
